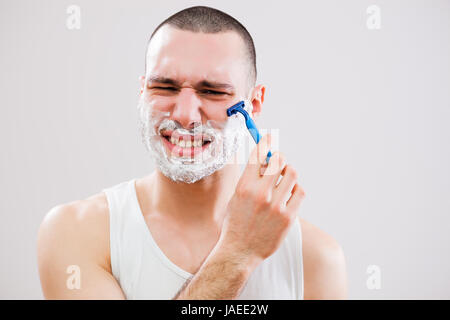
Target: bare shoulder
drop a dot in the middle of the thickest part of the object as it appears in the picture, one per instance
(73, 251)
(76, 231)
(317, 241)
(323, 264)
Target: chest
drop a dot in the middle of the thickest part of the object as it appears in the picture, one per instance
(187, 248)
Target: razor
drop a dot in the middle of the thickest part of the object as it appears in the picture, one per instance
(239, 107)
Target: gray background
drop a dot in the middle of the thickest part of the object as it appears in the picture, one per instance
(362, 114)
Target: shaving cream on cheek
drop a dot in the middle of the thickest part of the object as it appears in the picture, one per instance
(248, 106)
(167, 143)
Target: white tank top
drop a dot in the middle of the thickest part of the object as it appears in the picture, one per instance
(145, 272)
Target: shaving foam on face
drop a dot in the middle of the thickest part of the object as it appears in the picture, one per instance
(226, 138)
(248, 107)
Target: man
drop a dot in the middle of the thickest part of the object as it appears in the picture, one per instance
(195, 228)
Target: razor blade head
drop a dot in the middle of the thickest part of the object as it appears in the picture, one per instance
(238, 107)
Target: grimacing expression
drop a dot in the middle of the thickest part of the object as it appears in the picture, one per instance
(195, 76)
(192, 78)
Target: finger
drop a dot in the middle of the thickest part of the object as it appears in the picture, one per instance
(297, 196)
(283, 191)
(262, 148)
(275, 168)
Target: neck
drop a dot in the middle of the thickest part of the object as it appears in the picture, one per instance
(201, 202)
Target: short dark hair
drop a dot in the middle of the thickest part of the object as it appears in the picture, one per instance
(210, 20)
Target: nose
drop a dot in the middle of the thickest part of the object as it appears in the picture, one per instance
(187, 108)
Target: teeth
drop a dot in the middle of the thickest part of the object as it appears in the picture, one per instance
(188, 143)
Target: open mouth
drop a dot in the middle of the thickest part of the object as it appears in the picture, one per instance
(186, 145)
(187, 141)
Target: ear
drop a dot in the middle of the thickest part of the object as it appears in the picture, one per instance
(257, 99)
(142, 82)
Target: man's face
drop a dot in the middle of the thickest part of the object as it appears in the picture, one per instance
(209, 71)
(192, 78)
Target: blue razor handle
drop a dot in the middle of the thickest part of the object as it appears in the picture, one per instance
(239, 107)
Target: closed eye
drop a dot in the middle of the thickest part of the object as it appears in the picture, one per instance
(206, 91)
(165, 88)
(212, 92)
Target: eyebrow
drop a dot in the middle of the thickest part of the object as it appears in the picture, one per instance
(203, 83)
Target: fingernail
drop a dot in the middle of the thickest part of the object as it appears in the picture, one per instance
(262, 169)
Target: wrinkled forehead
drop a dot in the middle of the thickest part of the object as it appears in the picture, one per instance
(193, 56)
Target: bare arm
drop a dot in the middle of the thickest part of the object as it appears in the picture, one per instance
(325, 272)
(257, 220)
(221, 277)
(73, 253)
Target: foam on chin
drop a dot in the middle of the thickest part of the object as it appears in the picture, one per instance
(227, 139)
